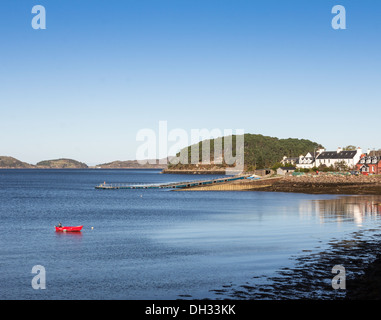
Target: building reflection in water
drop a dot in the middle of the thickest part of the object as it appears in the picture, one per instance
(343, 208)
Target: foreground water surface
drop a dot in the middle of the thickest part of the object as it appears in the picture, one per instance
(158, 244)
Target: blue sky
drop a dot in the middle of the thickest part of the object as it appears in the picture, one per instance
(103, 70)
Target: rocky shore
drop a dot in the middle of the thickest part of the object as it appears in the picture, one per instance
(328, 184)
(367, 286)
(313, 184)
(206, 171)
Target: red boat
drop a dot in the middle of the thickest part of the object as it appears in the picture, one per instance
(69, 229)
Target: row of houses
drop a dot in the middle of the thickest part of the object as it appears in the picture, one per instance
(366, 163)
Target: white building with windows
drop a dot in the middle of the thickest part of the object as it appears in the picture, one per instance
(289, 160)
(327, 158)
(303, 162)
(306, 162)
(330, 158)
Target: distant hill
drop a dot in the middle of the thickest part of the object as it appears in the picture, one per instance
(61, 164)
(259, 152)
(9, 162)
(132, 164)
(12, 163)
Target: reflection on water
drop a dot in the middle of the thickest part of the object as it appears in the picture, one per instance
(346, 208)
(310, 275)
(77, 234)
(69, 236)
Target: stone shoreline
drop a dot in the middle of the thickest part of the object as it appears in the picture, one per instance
(215, 171)
(329, 184)
(319, 184)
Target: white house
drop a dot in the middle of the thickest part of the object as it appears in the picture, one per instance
(306, 162)
(330, 158)
(289, 160)
(303, 162)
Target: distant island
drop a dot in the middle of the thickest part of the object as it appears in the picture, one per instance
(7, 162)
(61, 164)
(12, 163)
(134, 164)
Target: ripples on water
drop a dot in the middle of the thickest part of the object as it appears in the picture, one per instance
(159, 244)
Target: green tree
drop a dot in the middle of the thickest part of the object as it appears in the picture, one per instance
(341, 166)
(261, 151)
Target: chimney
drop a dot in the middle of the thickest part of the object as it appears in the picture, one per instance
(368, 152)
(339, 149)
(319, 151)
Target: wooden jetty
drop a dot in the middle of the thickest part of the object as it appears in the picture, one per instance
(173, 185)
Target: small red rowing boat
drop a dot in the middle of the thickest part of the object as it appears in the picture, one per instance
(69, 229)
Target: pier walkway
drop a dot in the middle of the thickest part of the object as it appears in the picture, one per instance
(172, 185)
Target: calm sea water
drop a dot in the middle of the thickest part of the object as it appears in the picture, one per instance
(155, 244)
